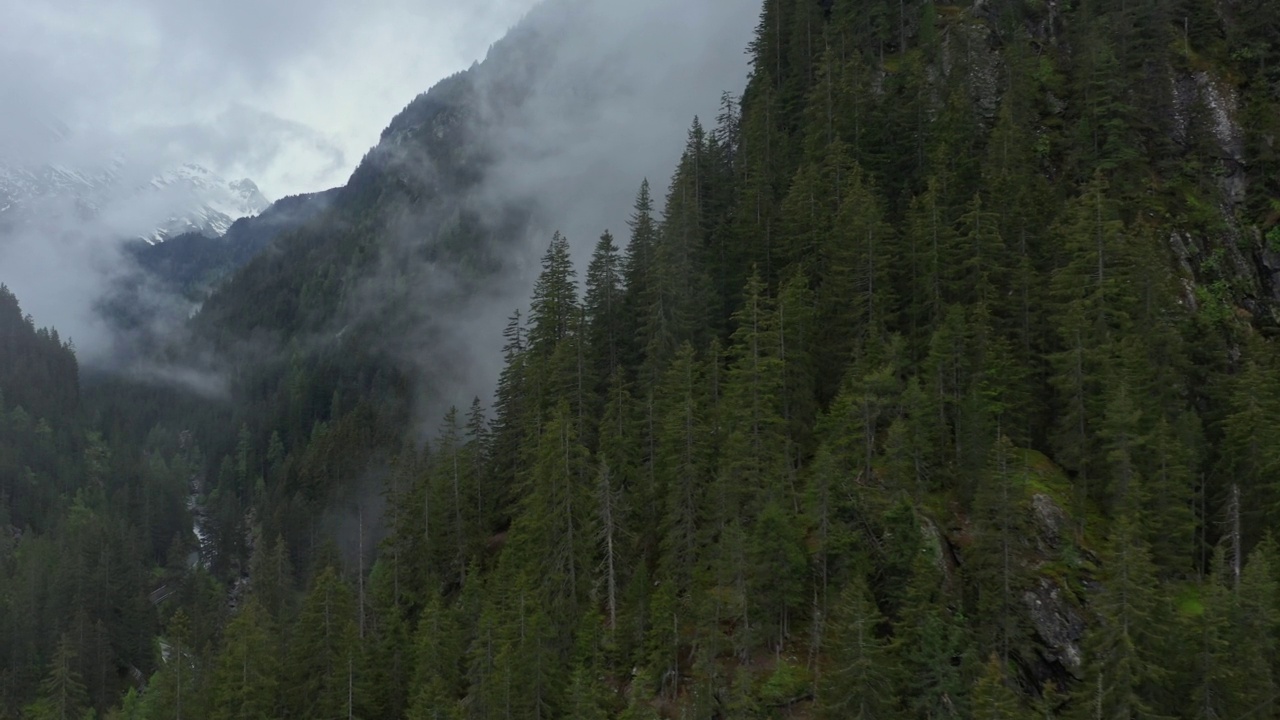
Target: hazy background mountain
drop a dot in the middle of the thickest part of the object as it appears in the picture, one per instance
(434, 241)
(114, 202)
(131, 95)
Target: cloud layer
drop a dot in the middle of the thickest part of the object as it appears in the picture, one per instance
(289, 93)
(292, 94)
(611, 105)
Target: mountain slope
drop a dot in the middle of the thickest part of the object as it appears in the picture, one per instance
(187, 199)
(163, 284)
(194, 262)
(937, 342)
(936, 384)
(438, 230)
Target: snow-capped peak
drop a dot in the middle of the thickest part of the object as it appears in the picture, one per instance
(185, 199)
(213, 203)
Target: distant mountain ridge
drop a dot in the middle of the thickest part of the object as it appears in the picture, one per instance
(186, 199)
(194, 261)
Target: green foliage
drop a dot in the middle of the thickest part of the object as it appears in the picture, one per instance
(323, 654)
(857, 683)
(788, 683)
(62, 694)
(895, 405)
(246, 676)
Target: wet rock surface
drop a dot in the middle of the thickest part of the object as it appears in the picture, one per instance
(1060, 627)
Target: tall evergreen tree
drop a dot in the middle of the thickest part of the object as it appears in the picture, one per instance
(245, 677)
(858, 680)
(324, 651)
(62, 693)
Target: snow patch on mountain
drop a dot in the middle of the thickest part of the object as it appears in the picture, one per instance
(186, 199)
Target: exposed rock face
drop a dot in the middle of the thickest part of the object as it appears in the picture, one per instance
(1050, 608)
(1051, 521)
(1058, 625)
(1236, 251)
(1051, 567)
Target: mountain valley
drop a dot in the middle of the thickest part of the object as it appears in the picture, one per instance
(929, 374)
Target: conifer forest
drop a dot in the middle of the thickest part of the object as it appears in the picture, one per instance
(940, 379)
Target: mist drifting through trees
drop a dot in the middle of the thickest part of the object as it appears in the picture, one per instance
(937, 381)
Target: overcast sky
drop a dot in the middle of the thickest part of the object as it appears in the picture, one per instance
(292, 94)
(289, 93)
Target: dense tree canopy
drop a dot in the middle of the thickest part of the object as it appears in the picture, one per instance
(941, 383)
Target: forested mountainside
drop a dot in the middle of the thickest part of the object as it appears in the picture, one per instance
(194, 263)
(162, 285)
(941, 383)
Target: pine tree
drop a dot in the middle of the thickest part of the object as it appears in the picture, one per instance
(436, 678)
(797, 342)
(172, 690)
(1249, 649)
(854, 293)
(992, 698)
(1214, 676)
(778, 570)
(999, 524)
(1090, 291)
(479, 492)
(245, 676)
(980, 276)
(911, 444)
(620, 505)
(638, 271)
(844, 483)
(555, 529)
(638, 703)
(930, 644)
(530, 658)
(387, 661)
(858, 680)
(1170, 453)
(677, 310)
(1123, 651)
(754, 455)
(930, 237)
(588, 697)
(1120, 434)
(62, 693)
(450, 488)
(606, 309)
(682, 470)
(1250, 455)
(807, 214)
(514, 417)
(554, 307)
(753, 470)
(323, 651)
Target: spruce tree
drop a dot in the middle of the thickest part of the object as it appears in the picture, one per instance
(245, 678)
(324, 650)
(1000, 522)
(992, 697)
(638, 275)
(436, 680)
(857, 681)
(62, 693)
(1123, 650)
(605, 310)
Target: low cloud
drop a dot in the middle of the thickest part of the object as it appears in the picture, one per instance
(607, 107)
(287, 104)
(289, 93)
